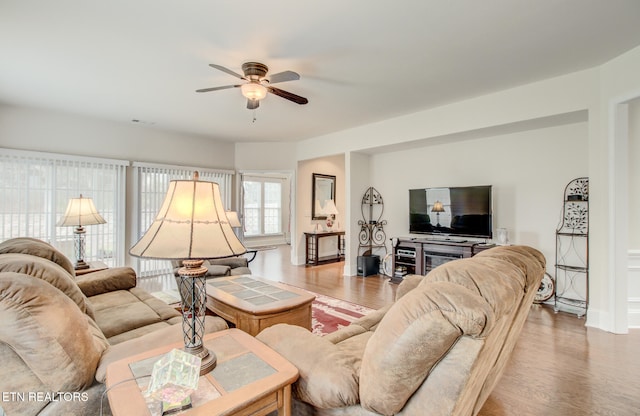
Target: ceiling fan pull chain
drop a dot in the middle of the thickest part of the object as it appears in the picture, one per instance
(254, 116)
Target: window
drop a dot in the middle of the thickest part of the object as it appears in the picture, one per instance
(151, 182)
(262, 205)
(36, 189)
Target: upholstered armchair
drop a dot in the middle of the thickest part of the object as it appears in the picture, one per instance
(438, 350)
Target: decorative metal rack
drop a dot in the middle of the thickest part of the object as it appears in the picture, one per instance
(372, 236)
(572, 250)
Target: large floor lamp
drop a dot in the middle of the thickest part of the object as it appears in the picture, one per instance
(191, 226)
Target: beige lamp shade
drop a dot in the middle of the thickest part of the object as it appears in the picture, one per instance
(80, 211)
(329, 208)
(191, 224)
(437, 207)
(232, 216)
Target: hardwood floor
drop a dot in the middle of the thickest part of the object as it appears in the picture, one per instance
(559, 366)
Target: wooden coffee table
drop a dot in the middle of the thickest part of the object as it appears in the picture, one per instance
(249, 379)
(252, 303)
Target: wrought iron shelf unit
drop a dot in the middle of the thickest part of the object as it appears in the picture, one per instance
(572, 250)
(372, 237)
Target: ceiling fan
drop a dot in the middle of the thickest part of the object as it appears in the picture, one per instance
(258, 84)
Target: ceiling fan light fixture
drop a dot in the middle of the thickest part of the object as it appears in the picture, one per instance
(253, 91)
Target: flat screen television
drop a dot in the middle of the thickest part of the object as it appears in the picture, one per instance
(456, 211)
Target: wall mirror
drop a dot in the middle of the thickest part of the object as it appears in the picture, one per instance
(323, 189)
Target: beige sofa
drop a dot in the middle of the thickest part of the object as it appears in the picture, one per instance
(58, 332)
(438, 350)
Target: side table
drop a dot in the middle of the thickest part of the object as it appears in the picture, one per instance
(94, 266)
(249, 379)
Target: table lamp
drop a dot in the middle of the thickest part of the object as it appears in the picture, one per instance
(437, 208)
(191, 226)
(330, 211)
(80, 212)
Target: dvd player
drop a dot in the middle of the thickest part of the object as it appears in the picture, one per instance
(406, 253)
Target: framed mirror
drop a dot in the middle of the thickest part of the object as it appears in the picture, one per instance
(323, 188)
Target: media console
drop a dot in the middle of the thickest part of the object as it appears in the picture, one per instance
(421, 255)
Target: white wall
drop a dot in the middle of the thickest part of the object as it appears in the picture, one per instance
(49, 131)
(634, 174)
(358, 181)
(634, 218)
(265, 156)
(528, 171)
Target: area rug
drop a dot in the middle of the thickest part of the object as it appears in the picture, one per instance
(327, 314)
(330, 314)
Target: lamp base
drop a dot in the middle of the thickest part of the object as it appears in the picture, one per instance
(193, 293)
(81, 265)
(208, 358)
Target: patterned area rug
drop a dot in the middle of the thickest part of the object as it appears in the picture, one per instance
(327, 314)
(330, 314)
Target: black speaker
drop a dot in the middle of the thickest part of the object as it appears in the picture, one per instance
(368, 265)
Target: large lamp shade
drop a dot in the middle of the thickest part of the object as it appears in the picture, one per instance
(191, 224)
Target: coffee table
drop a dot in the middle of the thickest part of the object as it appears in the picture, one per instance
(253, 303)
(249, 379)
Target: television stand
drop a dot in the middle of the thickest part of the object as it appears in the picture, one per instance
(421, 255)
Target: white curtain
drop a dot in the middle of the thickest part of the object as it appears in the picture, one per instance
(36, 188)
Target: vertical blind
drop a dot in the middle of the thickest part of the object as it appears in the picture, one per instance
(151, 182)
(36, 188)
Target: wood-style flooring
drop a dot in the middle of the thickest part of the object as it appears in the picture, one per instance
(559, 366)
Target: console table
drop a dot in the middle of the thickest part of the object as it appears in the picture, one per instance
(421, 255)
(312, 247)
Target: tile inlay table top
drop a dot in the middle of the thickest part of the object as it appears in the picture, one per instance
(252, 303)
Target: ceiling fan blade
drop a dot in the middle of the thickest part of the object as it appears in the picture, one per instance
(284, 76)
(253, 104)
(217, 88)
(227, 70)
(288, 95)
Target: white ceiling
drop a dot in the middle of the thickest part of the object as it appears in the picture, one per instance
(360, 61)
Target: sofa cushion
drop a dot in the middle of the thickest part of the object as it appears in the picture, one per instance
(417, 331)
(232, 262)
(108, 280)
(35, 247)
(62, 353)
(48, 271)
(125, 311)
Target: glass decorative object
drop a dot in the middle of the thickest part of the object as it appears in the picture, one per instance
(174, 376)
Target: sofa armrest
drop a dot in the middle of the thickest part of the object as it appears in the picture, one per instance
(409, 283)
(108, 280)
(232, 262)
(328, 377)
